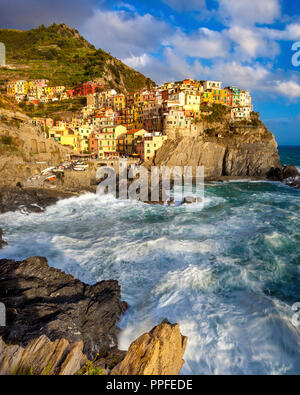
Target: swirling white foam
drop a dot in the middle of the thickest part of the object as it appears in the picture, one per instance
(228, 273)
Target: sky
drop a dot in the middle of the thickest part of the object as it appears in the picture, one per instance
(252, 44)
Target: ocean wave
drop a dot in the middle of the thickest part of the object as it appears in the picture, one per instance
(227, 271)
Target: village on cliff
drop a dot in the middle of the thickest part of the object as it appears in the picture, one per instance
(135, 124)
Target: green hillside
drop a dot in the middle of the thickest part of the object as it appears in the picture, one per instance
(61, 55)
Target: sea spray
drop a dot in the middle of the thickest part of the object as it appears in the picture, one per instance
(227, 272)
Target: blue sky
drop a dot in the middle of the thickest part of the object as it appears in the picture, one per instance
(245, 43)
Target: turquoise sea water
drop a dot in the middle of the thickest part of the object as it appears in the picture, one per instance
(290, 155)
(228, 272)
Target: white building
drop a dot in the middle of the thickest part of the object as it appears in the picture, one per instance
(178, 97)
(245, 99)
(241, 113)
(212, 85)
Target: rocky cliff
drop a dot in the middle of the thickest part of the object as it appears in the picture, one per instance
(158, 352)
(224, 148)
(57, 325)
(42, 357)
(42, 300)
(24, 148)
(2, 242)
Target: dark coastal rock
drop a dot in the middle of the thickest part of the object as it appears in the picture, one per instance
(280, 174)
(41, 300)
(288, 175)
(2, 242)
(31, 200)
(191, 200)
(293, 182)
(290, 172)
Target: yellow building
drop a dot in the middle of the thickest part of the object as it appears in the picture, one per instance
(152, 142)
(17, 87)
(207, 97)
(84, 133)
(192, 99)
(66, 136)
(131, 138)
(21, 87)
(60, 89)
(11, 88)
(49, 90)
(119, 102)
(73, 140)
(108, 140)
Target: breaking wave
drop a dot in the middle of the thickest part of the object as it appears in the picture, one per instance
(227, 272)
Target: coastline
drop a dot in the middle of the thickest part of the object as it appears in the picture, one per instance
(36, 200)
(58, 325)
(224, 179)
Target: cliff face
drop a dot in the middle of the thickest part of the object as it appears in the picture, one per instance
(42, 357)
(242, 151)
(158, 352)
(55, 323)
(24, 148)
(41, 300)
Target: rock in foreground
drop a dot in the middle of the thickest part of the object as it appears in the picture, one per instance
(2, 242)
(29, 199)
(43, 300)
(42, 357)
(158, 352)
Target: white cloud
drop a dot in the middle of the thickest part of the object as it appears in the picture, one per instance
(291, 32)
(253, 77)
(241, 12)
(229, 55)
(172, 67)
(123, 33)
(252, 42)
(203, 43)
(288, 88)
(137, 61)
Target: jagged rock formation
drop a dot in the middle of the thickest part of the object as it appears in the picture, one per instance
(42, 357)
(55, 323)
(289, 175)
(158, 352)
(280, 174)
(24, 148)
(31, 200)
(2, 242)
(253, 152)
(42, 300)
(223, 147)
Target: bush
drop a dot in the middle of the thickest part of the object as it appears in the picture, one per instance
(6, 140)
(219, 112)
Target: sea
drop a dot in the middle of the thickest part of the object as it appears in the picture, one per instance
(227, 271)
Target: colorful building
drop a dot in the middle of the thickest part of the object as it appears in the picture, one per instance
(108, 141)
(149, 144)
